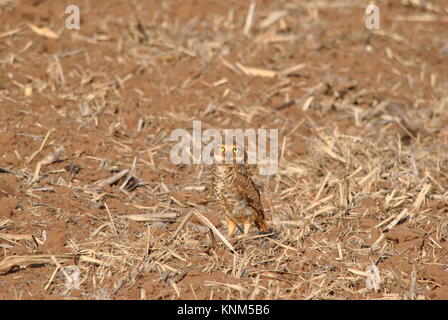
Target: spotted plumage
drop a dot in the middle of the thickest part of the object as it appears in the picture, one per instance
(236, 193)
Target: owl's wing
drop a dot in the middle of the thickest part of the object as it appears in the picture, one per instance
(249, 191)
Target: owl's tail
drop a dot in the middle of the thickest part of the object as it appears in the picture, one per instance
(261, 225)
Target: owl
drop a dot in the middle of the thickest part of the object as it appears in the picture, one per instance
(235, 190)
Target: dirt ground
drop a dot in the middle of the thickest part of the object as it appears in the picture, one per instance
(358, 205)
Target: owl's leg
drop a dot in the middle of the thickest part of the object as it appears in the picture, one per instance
(231, 227)
(247, 225)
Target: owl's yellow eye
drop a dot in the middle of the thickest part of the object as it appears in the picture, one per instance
(235, 150)
(221, 149)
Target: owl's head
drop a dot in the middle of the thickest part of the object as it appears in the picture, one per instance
(229, 155)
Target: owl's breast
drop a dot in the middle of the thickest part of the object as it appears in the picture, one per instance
(223, 185)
